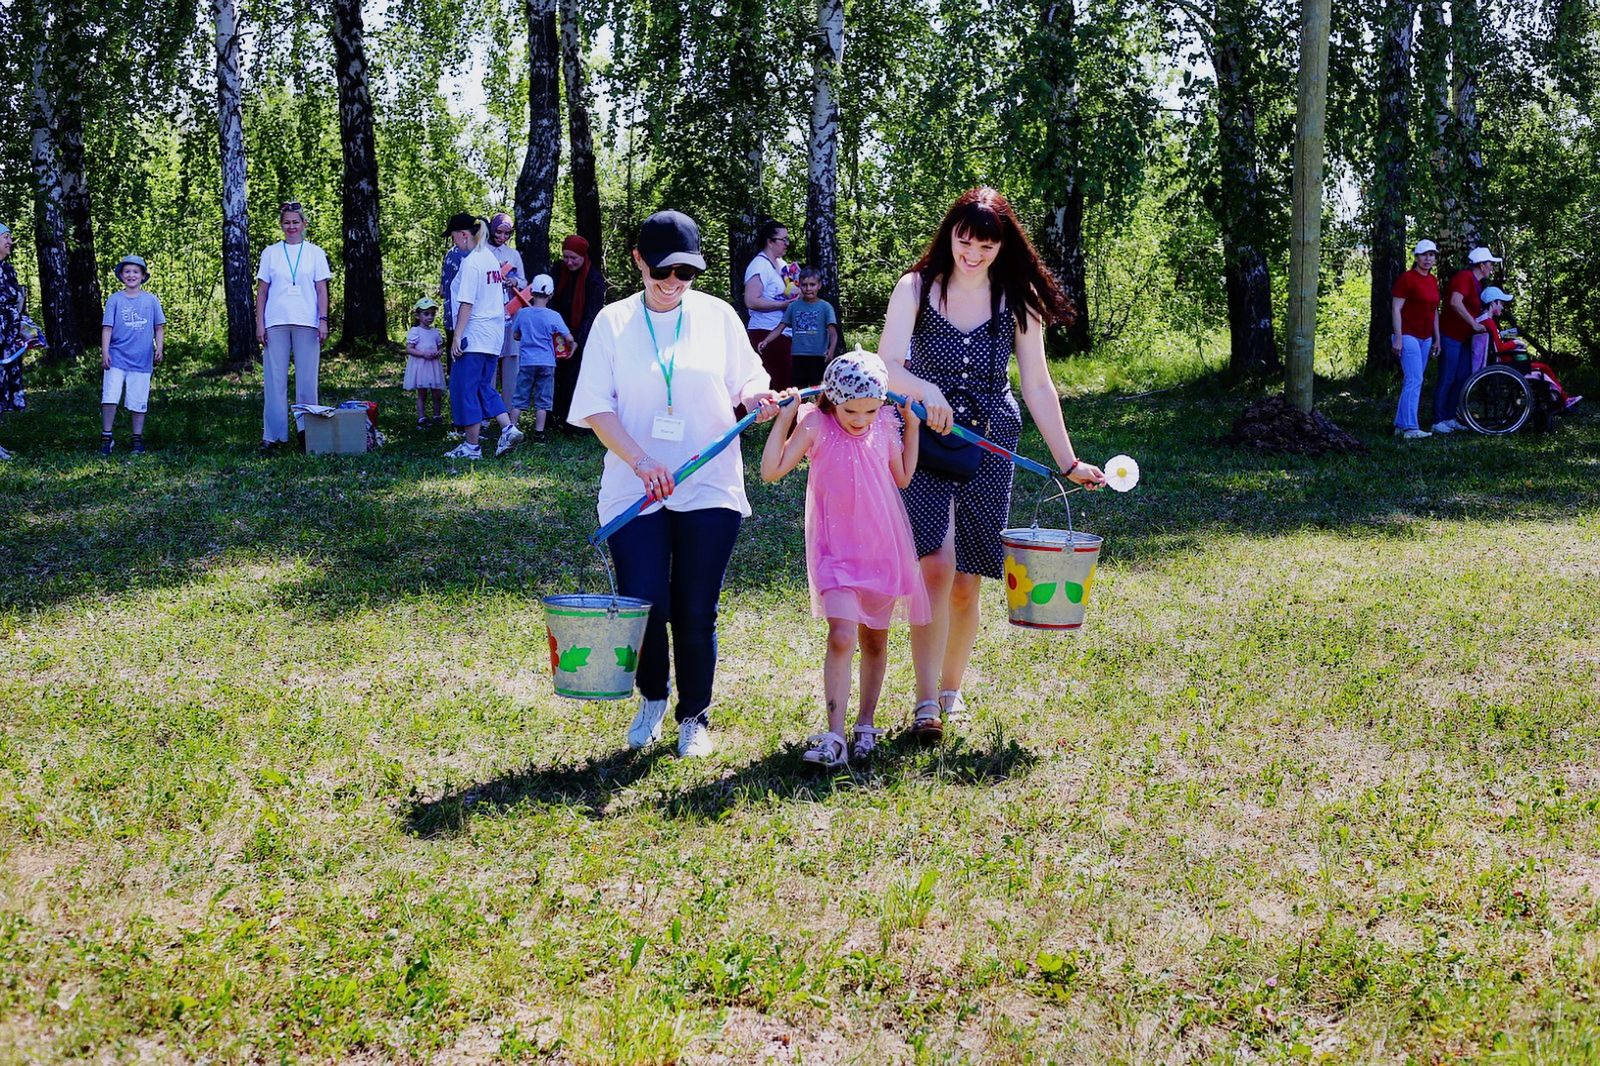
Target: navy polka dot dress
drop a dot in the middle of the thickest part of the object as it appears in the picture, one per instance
(973, 371)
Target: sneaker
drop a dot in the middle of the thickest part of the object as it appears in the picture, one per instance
(1572, 401)
(864, 742)
(5, 456)
(423, 423)
(268, 447)
(1416, 434)
(646, 727)
(509, 438)
(464, 451)
(953, 706)
(694, 739)
(106, 445)
(827, 752)
(1447, 426)
(138, 446)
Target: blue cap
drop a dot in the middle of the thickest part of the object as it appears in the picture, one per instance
(131, 260)
(4, 229)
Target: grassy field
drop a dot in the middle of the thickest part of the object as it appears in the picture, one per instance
(282, 777)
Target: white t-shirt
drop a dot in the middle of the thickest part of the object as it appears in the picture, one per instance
(715, 368)
(291, 273)
(478, 283)
(771, 287)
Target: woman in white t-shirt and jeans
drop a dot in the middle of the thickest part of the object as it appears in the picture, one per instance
(291, 322)
(764, 298)
(661, 374)
(480, 310)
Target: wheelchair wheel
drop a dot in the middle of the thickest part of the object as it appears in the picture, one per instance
(1496, 400)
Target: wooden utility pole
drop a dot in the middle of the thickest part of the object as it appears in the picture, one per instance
(1305, 247)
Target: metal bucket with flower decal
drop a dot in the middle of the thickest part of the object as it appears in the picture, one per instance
(1049, 573)
(595, 641)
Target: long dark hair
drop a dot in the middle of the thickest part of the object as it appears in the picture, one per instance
(1017, 274)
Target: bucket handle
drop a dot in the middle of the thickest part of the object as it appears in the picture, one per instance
(1062, 492)
(611, 578)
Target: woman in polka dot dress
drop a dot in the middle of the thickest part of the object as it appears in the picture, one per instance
(978, 296)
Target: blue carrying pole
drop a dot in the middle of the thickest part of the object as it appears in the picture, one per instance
(694, 463)
(985, 443)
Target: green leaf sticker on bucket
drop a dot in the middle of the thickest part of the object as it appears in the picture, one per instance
(627, 658)
(1042, 594)
(574, 659)
(1074, 591)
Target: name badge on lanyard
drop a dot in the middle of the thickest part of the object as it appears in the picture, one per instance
(667, 427)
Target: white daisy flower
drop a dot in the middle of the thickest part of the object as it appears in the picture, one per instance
(1122, 473)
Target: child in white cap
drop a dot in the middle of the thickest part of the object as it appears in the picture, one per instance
(538, 330)
(860, 555)
(133, 333)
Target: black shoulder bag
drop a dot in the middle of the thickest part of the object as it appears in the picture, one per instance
(945, 455)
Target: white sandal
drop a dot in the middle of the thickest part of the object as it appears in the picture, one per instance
(954, 706)
(864, 742)
(827, 751)
(926, 724)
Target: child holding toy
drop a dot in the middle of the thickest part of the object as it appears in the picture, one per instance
(424, 365)
(814, 329)
(133, 333)
(861, 558)
(539, 331)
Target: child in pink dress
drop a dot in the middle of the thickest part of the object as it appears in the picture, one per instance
(860, 555)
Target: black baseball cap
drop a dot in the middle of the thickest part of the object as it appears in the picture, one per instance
(461, 220)
(670, 238)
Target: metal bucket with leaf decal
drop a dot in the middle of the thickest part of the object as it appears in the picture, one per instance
(594, 642)
(1049, 573)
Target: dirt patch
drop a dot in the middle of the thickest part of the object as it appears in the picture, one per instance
(1273, 424)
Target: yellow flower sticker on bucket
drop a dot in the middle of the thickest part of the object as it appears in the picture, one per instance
(1018, 585)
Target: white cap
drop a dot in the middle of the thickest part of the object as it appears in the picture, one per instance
(543, 285)
(1482, 255)
(1424, 246)
(1494, 292)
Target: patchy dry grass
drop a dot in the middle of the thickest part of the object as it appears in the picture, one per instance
(281, 776)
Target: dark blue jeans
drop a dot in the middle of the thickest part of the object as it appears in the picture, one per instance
(1455, 367)
(676, 560)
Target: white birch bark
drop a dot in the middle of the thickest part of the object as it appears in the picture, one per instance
(822, 179)
(237, 287)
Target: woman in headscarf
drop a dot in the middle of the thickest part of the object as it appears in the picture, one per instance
(580, 293)
(13, 306)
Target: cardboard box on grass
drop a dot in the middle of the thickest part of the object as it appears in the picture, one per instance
(339, 432)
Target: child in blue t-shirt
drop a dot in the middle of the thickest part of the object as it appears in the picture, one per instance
(815, 328)
(132, 335)
(538, 331)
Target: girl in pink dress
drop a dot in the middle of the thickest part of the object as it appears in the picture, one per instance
(860, 555)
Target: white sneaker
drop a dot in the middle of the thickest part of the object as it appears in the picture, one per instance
(464, 451)
(694, 739)
(646, 727)
(1416, 434)
(5, 456)
(1446, 426)
(510, 437)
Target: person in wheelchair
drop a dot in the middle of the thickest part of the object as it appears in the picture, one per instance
(1512, 350)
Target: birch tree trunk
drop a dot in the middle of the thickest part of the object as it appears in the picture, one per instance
(1391, 185)
(1433, 70)
(365, 314)
(536, 186)
(50, 225)
(1305, 246)
(1063, 229)
(822, 179)
(747, 141)
(585, 186)
(1246, 276)
(238, 290)
(1466, 49)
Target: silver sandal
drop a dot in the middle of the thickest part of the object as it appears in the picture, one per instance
(864, 742)
(926, 725)
(828, 752)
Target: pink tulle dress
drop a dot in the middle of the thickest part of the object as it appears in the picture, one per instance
(860, 557)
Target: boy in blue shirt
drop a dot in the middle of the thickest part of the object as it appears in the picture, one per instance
(815, 327)
(538, 330)
(132, 335)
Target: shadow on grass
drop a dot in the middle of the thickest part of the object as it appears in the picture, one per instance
(782, 776)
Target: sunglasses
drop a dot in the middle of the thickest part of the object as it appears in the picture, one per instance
(683, 272)
(288, 205)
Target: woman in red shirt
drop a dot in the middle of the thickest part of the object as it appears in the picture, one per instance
(1416, 334)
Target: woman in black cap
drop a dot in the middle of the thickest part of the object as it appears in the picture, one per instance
(661, 375)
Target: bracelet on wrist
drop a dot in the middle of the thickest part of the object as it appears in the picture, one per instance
(1071, 467)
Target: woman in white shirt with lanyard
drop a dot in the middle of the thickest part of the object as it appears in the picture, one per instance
(661, 375)
(291, 322)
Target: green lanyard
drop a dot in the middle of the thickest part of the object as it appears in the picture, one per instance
(667, 368)
(294, 267)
